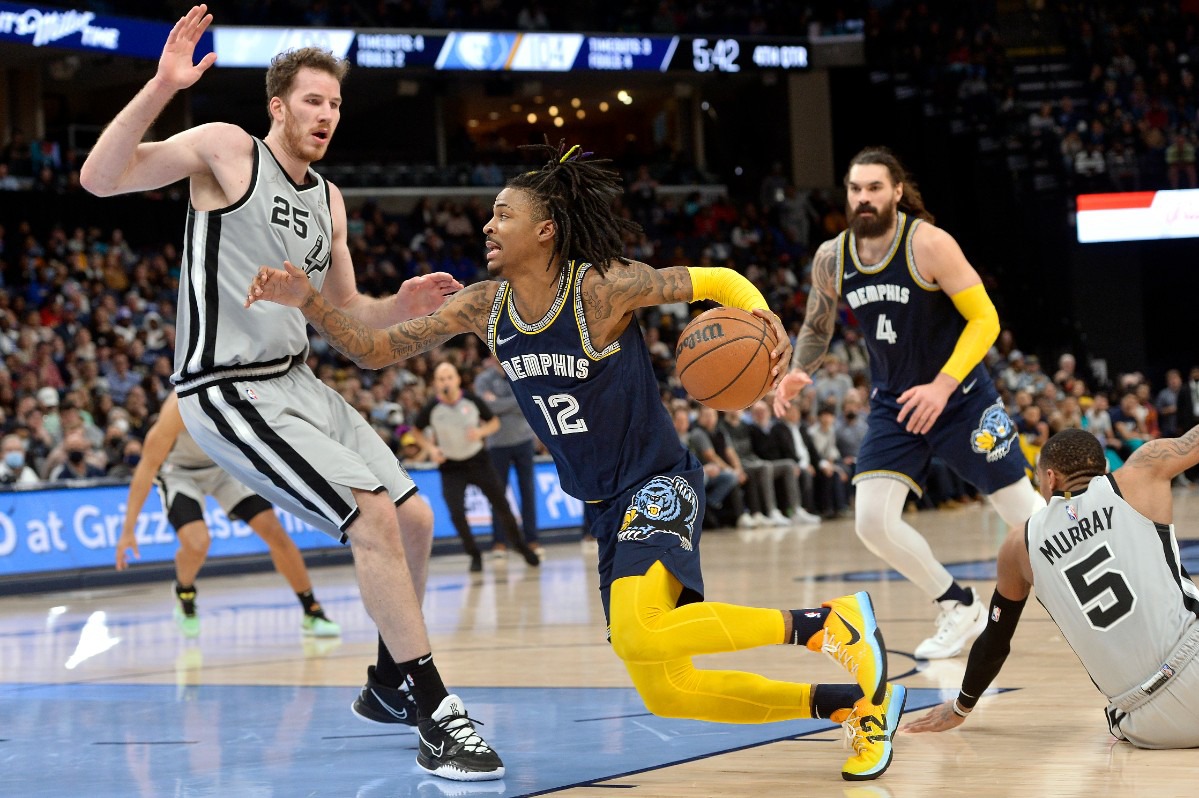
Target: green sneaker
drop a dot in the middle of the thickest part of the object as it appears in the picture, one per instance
(188, 624)
(319, 626)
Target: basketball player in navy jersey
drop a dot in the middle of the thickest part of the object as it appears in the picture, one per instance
(245, 394)
(1105, 561)
(927, 322)
(559, 317)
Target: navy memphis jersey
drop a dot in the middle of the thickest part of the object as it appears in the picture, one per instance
(909, 325)
(598, 413)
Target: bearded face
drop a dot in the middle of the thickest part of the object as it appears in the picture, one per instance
(869, 221)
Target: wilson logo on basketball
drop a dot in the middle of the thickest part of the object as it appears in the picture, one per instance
(708, 333)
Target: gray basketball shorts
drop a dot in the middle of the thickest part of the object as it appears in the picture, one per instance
(1165, 716)
(294, 441)
(197, 483)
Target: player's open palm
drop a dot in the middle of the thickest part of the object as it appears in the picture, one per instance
(176, 67)
(788, 388)
(287, 286)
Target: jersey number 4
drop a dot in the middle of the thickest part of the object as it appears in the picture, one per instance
(1106, 593)
(885, 331)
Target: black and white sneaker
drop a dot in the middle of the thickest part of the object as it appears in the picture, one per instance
(451, 748)
(386, 705)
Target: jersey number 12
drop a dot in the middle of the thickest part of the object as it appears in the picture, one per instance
(567, 423)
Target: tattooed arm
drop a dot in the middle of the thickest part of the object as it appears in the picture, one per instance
(368, 347)
(1145, 478)
(819, 320)
(609, 300)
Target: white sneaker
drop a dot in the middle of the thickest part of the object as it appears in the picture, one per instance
(957, 625)
(802, 516)
(747, 521)
(776, 518)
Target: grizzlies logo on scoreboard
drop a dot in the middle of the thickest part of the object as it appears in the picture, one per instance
(664, 504)
(995, 433)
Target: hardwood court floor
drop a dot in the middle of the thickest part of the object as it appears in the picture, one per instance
(100, 696)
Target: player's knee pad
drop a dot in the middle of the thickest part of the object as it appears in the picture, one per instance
(1016, 502)
(878, 505)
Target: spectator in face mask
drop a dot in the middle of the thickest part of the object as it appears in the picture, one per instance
(131, 455)
(75, 449)
(13, 470)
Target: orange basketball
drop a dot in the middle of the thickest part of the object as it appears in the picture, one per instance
(723, 358)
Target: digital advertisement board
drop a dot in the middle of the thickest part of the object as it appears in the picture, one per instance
(66, 529)
(84, 30)
(1138, 216)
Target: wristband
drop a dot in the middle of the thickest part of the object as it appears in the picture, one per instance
(959, 710)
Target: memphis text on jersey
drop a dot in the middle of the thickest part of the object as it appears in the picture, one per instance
(1060, 543)
(546, 365)
(877, 293)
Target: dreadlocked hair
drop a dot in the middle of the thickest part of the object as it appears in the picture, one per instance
(1074, 452)
(577, 194)
(911, 203)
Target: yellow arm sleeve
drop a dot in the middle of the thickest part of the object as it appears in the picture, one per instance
(726, 287)
(982, 328)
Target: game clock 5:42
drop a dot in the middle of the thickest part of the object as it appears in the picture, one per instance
(729, 55)
(715, 55)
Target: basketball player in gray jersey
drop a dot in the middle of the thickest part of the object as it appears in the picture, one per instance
(185, 476)
(1106, 565)
(244, 390)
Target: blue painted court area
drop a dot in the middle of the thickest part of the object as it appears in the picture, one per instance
(982, 570)
(139, 741)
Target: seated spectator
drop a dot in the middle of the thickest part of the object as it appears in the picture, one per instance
(831, 480)
(1180, 162)
(724, 502)
(787, 439)
(13, 469)
(73, 459)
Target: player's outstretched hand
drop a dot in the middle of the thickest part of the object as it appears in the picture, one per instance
(176, 67)
(939, 718)
(125, 544)
(420, 296)
(287, 286)
(788, 388)
(781, 356)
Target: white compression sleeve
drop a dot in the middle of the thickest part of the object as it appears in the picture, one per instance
(879, 523)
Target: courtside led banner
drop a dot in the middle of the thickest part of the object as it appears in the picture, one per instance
(67, 529)
(1138, 216)
(81, 29)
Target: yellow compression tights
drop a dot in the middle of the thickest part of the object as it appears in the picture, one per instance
(656, 640)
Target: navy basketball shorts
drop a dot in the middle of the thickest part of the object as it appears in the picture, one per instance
(657, 521)
(974, 435)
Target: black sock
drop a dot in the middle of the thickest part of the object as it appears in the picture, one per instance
(828, 698)
(310, 604)
(957, 593)
(805, 623)
(387, 673)
(187, 597)
(424, 682)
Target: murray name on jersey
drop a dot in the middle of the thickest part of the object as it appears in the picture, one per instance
(1062, 542)
(543, 364)
(877, 293)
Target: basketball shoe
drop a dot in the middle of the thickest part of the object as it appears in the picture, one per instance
(387, 705)
(957, 625)
(317, 625)
(451, 748)
(869, 731)
(851, 636)
(185, 611)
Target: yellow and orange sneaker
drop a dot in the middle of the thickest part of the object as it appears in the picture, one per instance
(851, 636)
(869, 732)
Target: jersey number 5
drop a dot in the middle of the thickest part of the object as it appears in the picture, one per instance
(1108, 594)
(567, 423)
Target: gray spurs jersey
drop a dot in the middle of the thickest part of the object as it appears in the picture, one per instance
(275, 220)
(1112, 581)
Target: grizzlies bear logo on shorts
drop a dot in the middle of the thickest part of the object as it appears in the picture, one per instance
(995, 433)
(664, 504)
